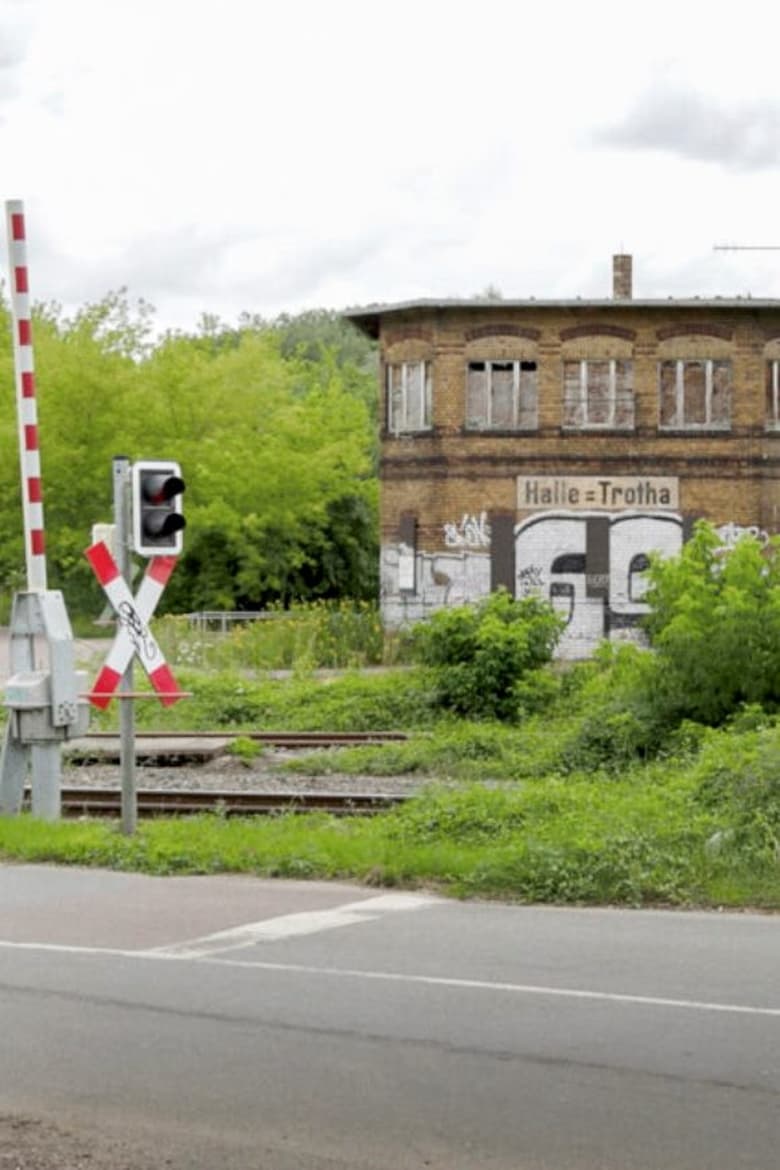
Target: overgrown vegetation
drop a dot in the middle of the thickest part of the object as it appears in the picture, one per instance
(318, 635)
(637, 777)
(648, 837)
(481, 656)
(715, 625)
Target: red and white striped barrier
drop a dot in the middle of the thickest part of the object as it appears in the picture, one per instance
(27, 411)
(133, 635)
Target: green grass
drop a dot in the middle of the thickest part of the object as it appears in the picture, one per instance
(638, 841)
(349, 702)
(524, 815)
(455, 749)
(332, 634)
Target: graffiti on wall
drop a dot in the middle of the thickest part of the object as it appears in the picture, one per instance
(731, 533)
(450, 578)
(591, 567)
(470, 532)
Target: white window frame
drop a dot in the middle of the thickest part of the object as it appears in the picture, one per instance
(611, 423)
(680, 423)
(489, 364)
(400, 426)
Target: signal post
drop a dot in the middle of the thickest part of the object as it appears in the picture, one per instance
(148, 518)
(48, 706)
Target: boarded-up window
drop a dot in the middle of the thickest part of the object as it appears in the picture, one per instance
(773, 395)
(624, 395)
(598, 394)
(695, 394)
(395, 396)
(668, 394)
(599, 399)
(721, 394)
(409, 397)
(501, 395)
(477, 384)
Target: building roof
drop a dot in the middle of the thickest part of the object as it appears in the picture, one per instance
(368, 317)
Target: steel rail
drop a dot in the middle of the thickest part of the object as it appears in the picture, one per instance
(106, 802)
(272, 738)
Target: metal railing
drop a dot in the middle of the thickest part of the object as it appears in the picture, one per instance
(223, 619)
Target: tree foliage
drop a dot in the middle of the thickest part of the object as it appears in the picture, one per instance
(276, 445)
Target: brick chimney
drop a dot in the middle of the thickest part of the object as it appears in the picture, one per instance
(621, 277)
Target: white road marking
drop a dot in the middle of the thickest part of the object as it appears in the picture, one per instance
(293, 925)
(402, 978)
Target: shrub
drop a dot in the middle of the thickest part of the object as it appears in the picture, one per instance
(623, 711)
(715, 625)
(738, 776)
(479, 654)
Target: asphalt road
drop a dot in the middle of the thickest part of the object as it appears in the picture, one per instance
(233, 1022)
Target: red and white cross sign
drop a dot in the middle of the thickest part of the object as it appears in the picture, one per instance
(133, 635)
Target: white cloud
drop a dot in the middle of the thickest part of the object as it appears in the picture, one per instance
(685, 123)
(238, 155)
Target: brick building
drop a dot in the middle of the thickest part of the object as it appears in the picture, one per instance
(549, 446)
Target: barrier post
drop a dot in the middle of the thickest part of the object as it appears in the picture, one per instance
(26, 404)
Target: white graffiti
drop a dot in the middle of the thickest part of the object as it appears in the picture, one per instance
(450, 578)
(530, 580)
(592, 568)
(597, 589)
(730, 533)
(470, 532)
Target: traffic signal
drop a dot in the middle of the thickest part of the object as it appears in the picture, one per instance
(158, 522)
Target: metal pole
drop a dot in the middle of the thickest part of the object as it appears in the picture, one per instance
(121, 474)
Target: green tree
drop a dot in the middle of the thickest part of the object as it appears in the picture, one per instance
(278, 452)
(275, 450)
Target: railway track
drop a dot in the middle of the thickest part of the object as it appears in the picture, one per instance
(178, 745)
(300, 738)
(199, 748)
(106, 802)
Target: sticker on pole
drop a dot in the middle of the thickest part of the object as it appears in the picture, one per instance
(133, 636)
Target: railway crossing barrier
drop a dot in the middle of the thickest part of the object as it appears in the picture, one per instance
(43, 702)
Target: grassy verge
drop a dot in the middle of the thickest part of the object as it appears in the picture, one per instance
(542, 811)
(638, 841)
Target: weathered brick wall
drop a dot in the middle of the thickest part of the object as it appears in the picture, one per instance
(730, 476)
(452, 480)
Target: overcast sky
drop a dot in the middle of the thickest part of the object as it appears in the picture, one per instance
(238, 155)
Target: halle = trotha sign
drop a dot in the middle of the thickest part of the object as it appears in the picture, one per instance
(595, 491)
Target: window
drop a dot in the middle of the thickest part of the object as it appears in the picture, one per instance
(501, 395)
(695, 394)
(409, 397)
(598, 394)
(773, 395)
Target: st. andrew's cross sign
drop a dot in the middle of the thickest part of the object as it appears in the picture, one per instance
(133, 635)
